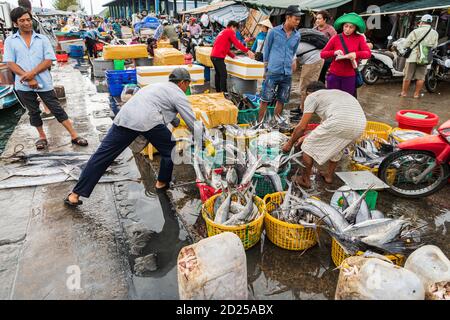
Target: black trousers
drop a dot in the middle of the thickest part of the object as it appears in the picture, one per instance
(30, 101)
(324, 71)
(221, 74)
(115, 142)
(174, 44)
(90, 45)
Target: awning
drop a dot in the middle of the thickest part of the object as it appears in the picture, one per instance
(235, 12)
(209, 8)
(410, 6)
(307, 5)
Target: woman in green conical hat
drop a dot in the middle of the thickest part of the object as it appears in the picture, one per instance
(342, 74)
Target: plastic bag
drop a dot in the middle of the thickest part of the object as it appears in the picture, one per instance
(128, 92)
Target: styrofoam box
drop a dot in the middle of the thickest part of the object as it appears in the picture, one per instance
(158, 74)
(65, 45)
(245, 68)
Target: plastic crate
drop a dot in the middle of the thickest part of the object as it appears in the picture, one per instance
(376, 130)
(250, 234)
(338, 255)
(76, 51)
(248, 116)
(119, 65)
(115, 89)
(62, 57)
(122, 76)
(286, 235)
(264, 185)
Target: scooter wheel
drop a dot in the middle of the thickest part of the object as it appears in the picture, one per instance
(400, 168)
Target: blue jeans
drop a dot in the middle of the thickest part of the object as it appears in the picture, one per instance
(276, 85)
(115, 142)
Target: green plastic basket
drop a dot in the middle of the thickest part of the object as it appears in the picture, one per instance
(248, 116)
(265, 153)
(371, 199)
(119, 64)
(264, 185)
(216, 161)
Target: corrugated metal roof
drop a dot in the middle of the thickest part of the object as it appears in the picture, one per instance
(235, 12)
(209, 8)
(411, 6)
(303, 5)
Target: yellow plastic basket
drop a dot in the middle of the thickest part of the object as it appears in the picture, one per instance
(286, 235)
(377, 129)
(338, 255)
(250, 233)
(242, 142)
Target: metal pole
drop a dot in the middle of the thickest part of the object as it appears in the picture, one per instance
(92, 8)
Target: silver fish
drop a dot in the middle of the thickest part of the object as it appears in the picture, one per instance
(351, 212)
(248, 176)
(223, 211)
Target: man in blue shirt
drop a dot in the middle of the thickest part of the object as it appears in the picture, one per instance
(29, 56)
(91, 39)
(280, 61)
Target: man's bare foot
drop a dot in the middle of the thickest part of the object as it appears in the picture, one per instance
(304, 182)
(326, 177)
(403, 94)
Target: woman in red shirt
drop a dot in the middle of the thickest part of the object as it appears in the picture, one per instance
(222, 48)
(341, 74)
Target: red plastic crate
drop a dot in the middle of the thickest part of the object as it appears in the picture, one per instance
(64, 57)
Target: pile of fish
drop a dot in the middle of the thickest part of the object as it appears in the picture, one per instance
(357, 228)
(354, 226)
(272, 140)
(404, 135)
(235, 208)
(241, 166)
(371, 152)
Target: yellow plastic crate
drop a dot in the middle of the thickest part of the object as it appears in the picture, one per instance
(338, 255)
(377, 129)
(250, 233)
(286, 235)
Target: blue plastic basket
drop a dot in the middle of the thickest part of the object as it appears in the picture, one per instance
(121, 76)
(76, 51)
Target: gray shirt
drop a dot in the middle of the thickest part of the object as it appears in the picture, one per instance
(308, 54)
(154, 105)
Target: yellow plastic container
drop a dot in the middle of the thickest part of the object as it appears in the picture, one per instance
(164, 44)
(377, 129)
(250, 234)
(242, 142)
(203, 55)
(119, 52)
(338, 255)
(286, 235)
(168, 57)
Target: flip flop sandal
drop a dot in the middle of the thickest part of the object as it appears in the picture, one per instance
(41, 144)
(164, 189)
(80, 142)
(72, 204)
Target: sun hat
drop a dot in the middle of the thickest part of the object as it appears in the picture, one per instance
(266, 23)
(352, 18)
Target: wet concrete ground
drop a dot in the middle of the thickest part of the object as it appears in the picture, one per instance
(125, 222)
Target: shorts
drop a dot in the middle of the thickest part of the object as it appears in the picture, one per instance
(277, 85)
(414, 71)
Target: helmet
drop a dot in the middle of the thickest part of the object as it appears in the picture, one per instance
(165, 22)
(180, 74)
(427, 18)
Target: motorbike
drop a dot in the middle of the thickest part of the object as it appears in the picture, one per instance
(440, 68)
(384, 64)
(420, 167)
(190, 43)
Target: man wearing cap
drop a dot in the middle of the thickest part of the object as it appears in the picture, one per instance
(260, 40)
(170, 33)
(424, 35)
(147, 113)
(280, 61)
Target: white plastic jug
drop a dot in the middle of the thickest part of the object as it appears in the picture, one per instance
(213, 269)
(374, 279)
(431, 265)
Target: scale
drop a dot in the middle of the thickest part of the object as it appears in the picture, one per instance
(362, 180)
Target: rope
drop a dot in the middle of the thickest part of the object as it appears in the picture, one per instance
(18, 153)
